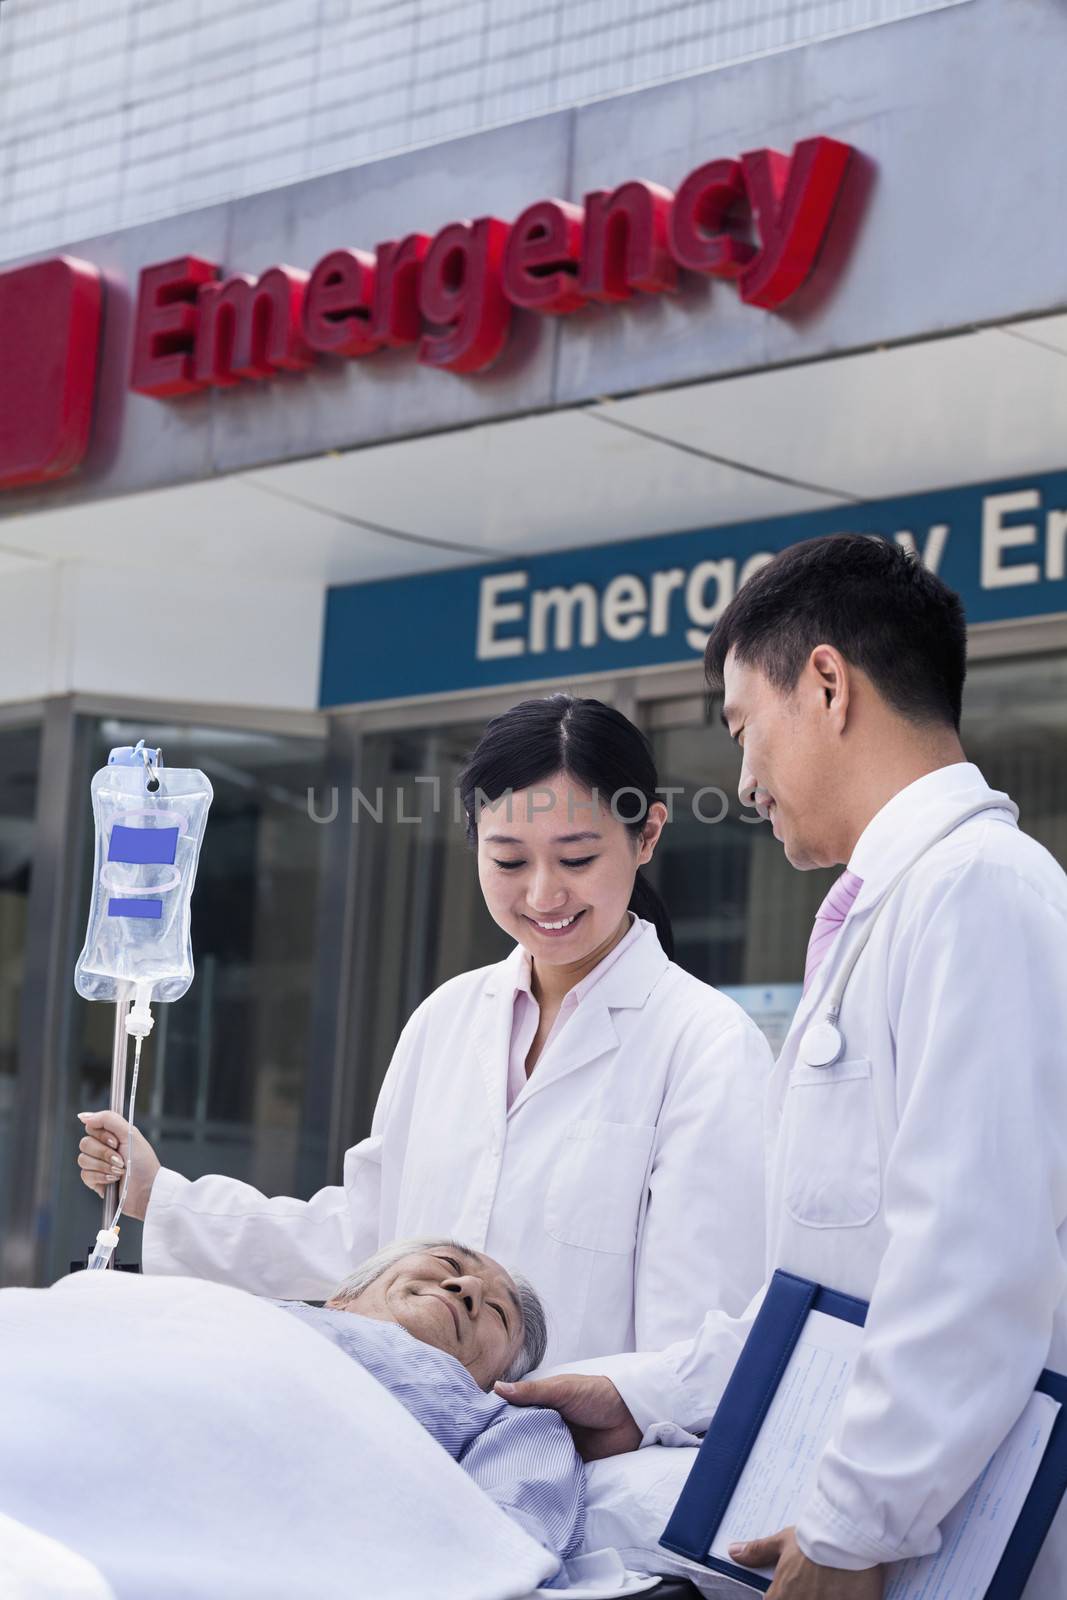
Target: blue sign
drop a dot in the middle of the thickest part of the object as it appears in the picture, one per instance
(653, 601)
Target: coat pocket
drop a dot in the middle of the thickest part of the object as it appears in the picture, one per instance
(833, 1175)
(598, 1185)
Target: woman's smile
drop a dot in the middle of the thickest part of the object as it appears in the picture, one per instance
(555, 927)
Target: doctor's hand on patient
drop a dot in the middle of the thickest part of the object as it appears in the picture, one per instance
(591, 1406)
(797, 1578)
(104, 1152)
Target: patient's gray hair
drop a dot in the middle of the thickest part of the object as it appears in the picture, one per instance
(534, 1323)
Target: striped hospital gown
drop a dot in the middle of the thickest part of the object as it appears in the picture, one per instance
(523, 1457)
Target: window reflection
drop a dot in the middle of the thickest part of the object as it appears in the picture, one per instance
(426, 920)
(741, 913)
(19, 758)
(1015, 729)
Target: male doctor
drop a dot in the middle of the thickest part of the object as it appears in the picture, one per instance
(925, 1168)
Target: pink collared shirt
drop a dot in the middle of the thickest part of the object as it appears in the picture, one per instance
(527, 1013)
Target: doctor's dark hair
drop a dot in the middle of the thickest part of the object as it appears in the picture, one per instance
(884, 611)
(586, 740)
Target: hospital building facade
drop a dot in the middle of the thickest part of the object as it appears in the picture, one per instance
(367, 368)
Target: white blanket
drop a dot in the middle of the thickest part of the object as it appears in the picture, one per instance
(190, 1440)
(629, 1501)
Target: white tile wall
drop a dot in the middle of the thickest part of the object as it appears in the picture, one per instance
(116, 111)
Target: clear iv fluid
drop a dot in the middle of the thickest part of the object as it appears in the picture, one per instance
(150, 824)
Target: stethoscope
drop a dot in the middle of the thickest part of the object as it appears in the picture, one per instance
(823, 1044)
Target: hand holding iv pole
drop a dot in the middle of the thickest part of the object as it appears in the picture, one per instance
(110, 1148)
(150, 823)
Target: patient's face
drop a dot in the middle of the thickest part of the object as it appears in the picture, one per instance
(465, 1304)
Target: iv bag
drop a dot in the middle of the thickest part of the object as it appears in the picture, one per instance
(147, 848)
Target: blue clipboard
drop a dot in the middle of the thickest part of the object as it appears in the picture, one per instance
(743, 1409)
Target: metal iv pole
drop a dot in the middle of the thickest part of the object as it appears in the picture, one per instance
(117, 1101)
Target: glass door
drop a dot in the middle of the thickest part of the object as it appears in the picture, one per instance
(741, 913)
(19, 762)
(421, 911)
(1015, 730)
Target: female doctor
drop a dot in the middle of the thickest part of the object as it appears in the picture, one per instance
(584, 1111)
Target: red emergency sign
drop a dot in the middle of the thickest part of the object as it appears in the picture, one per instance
(49, 334)
(760, 220)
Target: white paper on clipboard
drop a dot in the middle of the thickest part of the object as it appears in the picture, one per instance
(783, 1463)
(975, 1534)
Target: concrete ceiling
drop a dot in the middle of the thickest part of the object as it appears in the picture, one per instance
(984, 405)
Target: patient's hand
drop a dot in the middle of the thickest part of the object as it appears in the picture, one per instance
(104, 1152)
(591, 1406)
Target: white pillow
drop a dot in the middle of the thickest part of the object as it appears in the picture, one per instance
(629, 1500)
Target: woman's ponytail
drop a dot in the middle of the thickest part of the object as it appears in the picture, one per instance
(647, 904)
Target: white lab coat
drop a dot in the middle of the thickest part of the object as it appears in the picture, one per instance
(925, 1172)
(626, 1182)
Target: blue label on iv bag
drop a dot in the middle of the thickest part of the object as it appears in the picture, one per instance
(135, 908)
(143, 846)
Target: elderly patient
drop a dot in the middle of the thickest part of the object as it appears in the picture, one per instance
(437, 1325)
